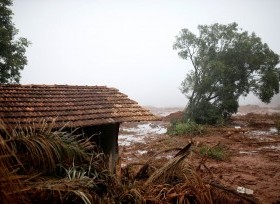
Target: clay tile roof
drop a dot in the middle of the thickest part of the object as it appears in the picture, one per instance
(75, 106)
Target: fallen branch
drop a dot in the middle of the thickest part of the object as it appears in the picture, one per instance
(169, 167)
(232, 192)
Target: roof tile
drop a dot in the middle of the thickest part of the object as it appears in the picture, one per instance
(72, 106)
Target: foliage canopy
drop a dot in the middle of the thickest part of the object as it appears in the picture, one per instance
(12, 51)
(227, 63)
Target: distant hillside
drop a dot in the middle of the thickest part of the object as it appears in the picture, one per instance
(258, 109)
(163, 111)
(244, 109)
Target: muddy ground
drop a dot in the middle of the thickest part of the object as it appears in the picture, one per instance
(251, 140)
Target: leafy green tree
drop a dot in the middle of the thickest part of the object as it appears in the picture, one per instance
(12, 51)
(227, 63)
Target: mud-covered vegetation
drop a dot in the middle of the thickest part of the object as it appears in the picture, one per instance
(185, 128)
(217, 152)
(54, 166)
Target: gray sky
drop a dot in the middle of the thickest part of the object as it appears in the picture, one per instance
(127, 44)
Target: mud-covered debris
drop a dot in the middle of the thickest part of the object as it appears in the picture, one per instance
(244, 190)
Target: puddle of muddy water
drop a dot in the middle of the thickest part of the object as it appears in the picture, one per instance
(271, 131)
(127, 140)
(248, 152)
(262, 135)
(140, 133)
(271, 147)
(142, 151)
(147, 128)
(164, 156)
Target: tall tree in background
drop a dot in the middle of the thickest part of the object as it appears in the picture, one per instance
(12, 52)
(227, 63)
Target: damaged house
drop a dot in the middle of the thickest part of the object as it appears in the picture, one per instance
(93, 109)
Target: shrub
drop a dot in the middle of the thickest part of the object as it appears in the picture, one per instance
(217, 152)
(185, 128)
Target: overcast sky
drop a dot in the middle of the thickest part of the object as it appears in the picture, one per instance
(127, 44)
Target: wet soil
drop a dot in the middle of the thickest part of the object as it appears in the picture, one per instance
(251, 140)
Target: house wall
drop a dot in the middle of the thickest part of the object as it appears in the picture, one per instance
(106, 137)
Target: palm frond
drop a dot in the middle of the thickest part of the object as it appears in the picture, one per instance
(43, 148)
(10, 184)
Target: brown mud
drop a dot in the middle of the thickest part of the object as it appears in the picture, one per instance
(251, 140)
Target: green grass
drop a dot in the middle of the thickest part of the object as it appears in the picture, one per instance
(217, 152)
(185, 128)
